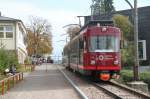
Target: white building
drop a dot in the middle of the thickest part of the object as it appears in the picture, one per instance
(13, 36)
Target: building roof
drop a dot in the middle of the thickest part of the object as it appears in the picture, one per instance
(3, 18)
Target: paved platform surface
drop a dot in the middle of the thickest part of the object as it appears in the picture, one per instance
(46, 82)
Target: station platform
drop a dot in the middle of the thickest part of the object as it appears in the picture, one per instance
(46, 82)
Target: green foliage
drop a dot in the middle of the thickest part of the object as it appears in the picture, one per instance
(126, 28)
(102, 6)
(7, 58)
(3, 60)
(145, 76)
(127, 76)
(27, 60)
(125, 25)
(108, 6)
(127, 55)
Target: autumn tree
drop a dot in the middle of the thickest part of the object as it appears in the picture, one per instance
(39, 37)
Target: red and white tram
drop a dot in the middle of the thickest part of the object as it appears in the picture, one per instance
(95, 50)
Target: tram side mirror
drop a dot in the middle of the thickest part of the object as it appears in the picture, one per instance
(81, 44)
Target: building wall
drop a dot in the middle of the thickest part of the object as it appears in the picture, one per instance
(9, 43)
(17, 41)
(20, 42)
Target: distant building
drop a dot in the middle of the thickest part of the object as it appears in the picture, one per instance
(13, 36)
(144, 29)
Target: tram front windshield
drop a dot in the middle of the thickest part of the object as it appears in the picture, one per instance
(104, 44)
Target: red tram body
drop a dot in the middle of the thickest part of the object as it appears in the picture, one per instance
(95, 51)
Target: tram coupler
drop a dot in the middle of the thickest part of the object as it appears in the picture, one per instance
(105, 76)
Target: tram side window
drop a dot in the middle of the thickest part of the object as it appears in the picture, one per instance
(74, 52)
(81, 47)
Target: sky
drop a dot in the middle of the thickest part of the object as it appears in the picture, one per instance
(58, 13)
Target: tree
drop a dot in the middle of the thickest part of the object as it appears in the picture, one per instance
(108, 6)
(102, 7)
(126, 27)
(73, 31)
(39, 37)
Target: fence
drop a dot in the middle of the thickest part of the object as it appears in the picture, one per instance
(9, 82)
(28, 67)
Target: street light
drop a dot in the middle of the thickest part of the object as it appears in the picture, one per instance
(136, 61)
(136, 65)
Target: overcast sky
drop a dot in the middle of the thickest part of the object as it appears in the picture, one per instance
(58, 12)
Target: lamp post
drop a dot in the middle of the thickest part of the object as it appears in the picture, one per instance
(136, 54)
(136, 65)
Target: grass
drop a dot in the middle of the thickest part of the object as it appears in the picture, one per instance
(2, 77)
(21, 68)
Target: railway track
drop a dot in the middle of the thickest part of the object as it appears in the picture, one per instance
(120, 92)
(105, 90)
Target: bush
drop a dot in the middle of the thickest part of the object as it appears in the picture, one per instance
(7, 58)
(127, 76)
(127, 55)
(145, 76)
(27, 60)
(3, 60)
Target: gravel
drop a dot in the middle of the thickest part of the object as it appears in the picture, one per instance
(91, 91)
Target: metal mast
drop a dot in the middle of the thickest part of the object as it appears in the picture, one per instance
(136, 72)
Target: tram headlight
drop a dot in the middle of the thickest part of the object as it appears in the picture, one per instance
(116, 62)
(93, 62)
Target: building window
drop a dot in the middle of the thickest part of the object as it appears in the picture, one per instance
(6, 31)
(9, 31)
(142, 50)
(9, 34)
(1, 28)
(9, 28)
(1, 32)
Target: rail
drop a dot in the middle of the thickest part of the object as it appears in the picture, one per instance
(123, 91)
(9, 82)
(107, 91)
(134, 91)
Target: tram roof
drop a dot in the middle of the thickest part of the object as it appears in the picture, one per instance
(100, 22)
